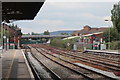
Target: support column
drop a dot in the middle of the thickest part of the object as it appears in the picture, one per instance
(1, 40)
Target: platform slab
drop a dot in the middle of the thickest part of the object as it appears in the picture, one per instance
(13, 65)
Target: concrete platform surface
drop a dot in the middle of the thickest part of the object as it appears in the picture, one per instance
(105, 51)
(14, 65)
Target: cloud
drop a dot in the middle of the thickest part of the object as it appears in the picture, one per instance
(39, 25)
(73, 5)
(67, 5)
(91, 16)
(49, 22)
(67, 16)
(72, 10)
(42, 22)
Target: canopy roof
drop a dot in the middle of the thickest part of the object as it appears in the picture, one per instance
(20, 10)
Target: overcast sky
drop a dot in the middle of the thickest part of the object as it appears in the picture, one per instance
(55, 16)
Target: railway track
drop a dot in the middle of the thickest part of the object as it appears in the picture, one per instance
(110, 66)
(109, 57)
(39, 74)
(63, 71)
(85, 68)
(81, 71)
(97, 56)
(36, 75)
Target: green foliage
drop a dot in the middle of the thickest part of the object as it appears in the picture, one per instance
(32, 33)
(64, 33)
(46, 32)
(115, 45)
(26, 34)
(111, 34)
(116, 16)
(58, 42)
(12, 26)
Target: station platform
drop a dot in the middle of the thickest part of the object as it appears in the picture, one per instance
(104, 51)
(15, 66)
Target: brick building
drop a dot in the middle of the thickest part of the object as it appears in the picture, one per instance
(90, 36)
(11, 35)
(88, 30)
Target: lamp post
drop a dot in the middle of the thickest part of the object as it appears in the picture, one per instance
(18, 42)
(108, 20)
(14, 40)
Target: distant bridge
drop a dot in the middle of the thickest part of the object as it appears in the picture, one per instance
(44, 36)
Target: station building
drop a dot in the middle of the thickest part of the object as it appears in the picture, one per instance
(91, 37)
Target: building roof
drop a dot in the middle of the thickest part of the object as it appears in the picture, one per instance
(89, 30)
(93, 34)
(20, 10)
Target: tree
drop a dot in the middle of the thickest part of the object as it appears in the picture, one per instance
(116, 16)
(32, 33)
(110, 35)
(64, 33)
(12, 26)
(46, 32)
(28, 34)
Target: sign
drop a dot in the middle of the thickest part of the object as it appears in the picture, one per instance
(74, 47)
(11, 44)
(5, 44)
(68, 44)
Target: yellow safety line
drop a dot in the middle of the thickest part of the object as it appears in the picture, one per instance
(8, 75)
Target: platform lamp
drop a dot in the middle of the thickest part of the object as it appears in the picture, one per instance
(108, 20)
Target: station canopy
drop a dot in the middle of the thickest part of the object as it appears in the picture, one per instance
(20, 10)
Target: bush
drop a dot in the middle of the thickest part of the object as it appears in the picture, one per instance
(63, 43)
(115, 45)
(110, 35)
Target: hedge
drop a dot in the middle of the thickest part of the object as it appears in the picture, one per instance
(58, 42)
